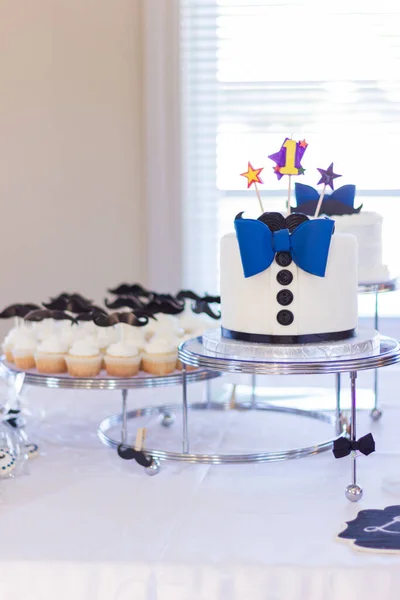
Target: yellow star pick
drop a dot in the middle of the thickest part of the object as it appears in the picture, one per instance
(252, 175)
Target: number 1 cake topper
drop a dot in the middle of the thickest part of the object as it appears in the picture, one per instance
(288, 162)
(253, 176)
(327, 177)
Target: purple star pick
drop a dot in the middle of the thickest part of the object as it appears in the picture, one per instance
(327, 176)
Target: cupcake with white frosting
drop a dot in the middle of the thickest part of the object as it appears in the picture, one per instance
(122, 359)
(23, 351)
(44, 328)
(50, 355)
(163, 326)
(12, 337)
(84, 358)
(160, 356)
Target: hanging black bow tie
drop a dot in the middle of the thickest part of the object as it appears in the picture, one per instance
(342, 446)
(128, 453)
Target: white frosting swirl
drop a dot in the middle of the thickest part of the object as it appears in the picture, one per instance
(160, 345)
(85, 347)
(17, 333)
(125, 349)
(53, 345)
(24, 343)
(165, 324)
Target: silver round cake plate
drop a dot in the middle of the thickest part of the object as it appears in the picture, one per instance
(375, 288)
(193, 353)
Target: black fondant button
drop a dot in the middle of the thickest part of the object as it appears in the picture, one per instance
(284, 297)
(283, 259)
(284, 277)
(285, 317)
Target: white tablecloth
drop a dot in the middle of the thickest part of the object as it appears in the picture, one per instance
(86, 525)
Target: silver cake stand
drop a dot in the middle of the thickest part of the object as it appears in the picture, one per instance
(193, 353)
(376, 288)
(103, 382)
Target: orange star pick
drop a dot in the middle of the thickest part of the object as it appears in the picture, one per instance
(303, 144)
(277, 169)
(253, 175)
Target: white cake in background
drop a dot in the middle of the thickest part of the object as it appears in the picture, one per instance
(367, 227)
(318, 305)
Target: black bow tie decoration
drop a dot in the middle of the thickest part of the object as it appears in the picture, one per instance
(129, 453)
(343, 446)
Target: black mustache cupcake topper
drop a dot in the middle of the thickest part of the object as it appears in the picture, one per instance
(126, 289)
(203, 307)
(201, 304)
(45, 313)
(74, 303)
(17, 310)
(125, 302)
(140, 319)
(88, 316)
(166, 304)
(190, 295)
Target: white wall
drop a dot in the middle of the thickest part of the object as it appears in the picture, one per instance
(72, 216)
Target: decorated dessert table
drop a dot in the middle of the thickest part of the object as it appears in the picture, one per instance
(85, 524)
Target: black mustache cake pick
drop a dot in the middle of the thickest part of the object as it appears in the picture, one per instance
(126, 289)
(17, 310)
(203, 307)
(140, 319)
(74, 303)
(45, 313)
(125, 302)
(88, 315)
(166, 304)
(190, 295)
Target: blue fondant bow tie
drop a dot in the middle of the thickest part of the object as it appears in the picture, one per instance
(308, 245)
(305, 193)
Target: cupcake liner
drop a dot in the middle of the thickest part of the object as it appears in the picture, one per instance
(24, 362)
(50, 363)
(159, 364)
(84, 366)
(118, 366)
(9, 356)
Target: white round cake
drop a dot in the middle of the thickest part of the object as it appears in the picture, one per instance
(367, 227)
(284, 303)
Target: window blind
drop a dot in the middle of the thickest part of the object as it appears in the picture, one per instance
(255, 72)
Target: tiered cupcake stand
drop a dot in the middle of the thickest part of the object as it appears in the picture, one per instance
(141, 381)
(193, 354)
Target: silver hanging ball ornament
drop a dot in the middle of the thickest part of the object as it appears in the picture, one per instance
(354, 493)
(376, 414)
(168, 419)
(154, 468)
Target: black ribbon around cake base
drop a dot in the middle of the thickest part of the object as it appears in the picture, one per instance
(343, 447)
(309, 338)
(129, 453)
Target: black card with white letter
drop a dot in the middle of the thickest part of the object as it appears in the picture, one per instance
(375, 530)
